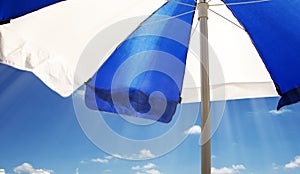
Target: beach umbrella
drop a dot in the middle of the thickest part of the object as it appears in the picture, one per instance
(49, 43)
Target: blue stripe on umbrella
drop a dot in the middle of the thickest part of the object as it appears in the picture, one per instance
(151, 46)
(10, 9)
(273, 27)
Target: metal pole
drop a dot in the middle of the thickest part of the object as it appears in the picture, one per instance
(205, 90)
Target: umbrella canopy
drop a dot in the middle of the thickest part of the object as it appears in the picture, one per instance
(49, 43)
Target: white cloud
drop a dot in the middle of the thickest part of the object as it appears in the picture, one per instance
(275, 166)
(228, 170)
(118, 156)
(82, 162)
(104, 160)
(109, 157)
(293, 164)
(149, 166)
(193, 130)
(107, 171)
(136, 168)
(142, 155)
(146, 169)
(28, 169)
(77, 171)
(2, 171)
(279, 112)
(153, 171)
(99, 160)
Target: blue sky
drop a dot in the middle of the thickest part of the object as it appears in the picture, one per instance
(40, 133)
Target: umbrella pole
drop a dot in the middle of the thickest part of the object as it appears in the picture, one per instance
(205, 90)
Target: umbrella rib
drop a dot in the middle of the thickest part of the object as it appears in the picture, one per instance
(195, 28)
(240, 3)
(165, 19)
(181, 3)
(227, 19)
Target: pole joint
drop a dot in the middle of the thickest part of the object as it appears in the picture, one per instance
(202, 10)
